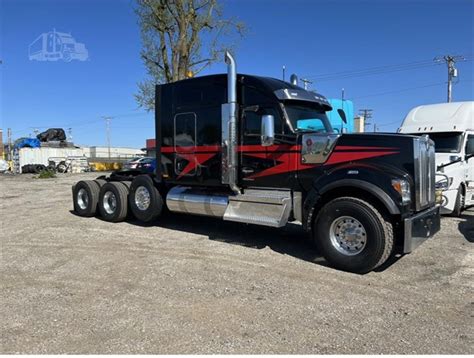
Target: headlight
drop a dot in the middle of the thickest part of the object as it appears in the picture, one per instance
(444, 184)
(403, 188)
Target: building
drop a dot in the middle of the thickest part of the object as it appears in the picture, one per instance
(359, 124)
(118, 154)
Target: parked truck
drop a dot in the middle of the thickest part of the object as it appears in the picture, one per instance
(261, 151)
(451, 127)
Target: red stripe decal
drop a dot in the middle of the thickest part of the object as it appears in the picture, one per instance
(194, 160)
(349, 147)
(352, 156)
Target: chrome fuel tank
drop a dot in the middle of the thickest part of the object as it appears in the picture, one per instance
(195, 201)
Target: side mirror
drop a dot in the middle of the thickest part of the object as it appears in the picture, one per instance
(267, 130)
(342, 114)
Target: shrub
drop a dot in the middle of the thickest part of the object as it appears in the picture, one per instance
(46, 174)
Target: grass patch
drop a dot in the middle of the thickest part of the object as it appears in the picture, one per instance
(46, 174)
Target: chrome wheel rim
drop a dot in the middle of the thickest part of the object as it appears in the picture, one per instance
(82, 199)
(142, 198)
(110, 202)
(348, 235)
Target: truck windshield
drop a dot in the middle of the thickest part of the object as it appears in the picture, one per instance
(447, 142)
(306, 118)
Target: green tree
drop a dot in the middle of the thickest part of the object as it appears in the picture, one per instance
(179, 39)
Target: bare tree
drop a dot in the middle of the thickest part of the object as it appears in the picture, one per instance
(180, 38)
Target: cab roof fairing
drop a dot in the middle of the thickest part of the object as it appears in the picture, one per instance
(281, 90)
(440, 117)
(284, 91)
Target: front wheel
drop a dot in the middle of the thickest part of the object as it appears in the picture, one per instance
(352, 235)
(459, 204)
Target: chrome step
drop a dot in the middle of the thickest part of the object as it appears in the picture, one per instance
(260, 207)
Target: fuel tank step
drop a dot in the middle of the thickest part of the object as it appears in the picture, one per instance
(261, 207)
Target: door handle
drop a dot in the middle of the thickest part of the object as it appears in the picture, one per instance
(247, 170)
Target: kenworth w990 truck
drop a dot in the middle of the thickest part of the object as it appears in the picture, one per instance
(261, 151)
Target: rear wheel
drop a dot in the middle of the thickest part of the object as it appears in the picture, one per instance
(85, 195)
(100, 182)
(145, 199)
(113, 201)
(352, 235)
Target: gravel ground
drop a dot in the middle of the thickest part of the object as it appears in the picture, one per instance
(199, 285)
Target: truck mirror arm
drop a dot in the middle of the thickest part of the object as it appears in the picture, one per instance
(450, 163)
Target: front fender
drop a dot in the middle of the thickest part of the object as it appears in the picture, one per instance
(367, 186)
(374, 182)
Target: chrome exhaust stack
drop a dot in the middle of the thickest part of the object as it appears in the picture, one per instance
(229, 127)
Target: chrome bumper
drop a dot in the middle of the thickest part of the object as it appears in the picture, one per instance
(420, 227)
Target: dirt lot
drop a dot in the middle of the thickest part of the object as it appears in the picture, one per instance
(199, 285)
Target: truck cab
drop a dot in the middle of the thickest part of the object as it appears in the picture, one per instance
(451, 127)
(257, 150)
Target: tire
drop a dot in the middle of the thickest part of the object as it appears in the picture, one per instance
(100, 182)
(459, 204)
(85, 195)
(61, 167)
(143, 209)
(113, 201)
(38, 168)
(370, 240)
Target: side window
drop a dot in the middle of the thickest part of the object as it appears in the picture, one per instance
(470, 144)
(185, 131)
(252, 122)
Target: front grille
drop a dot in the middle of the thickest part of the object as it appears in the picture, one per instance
(425, 172)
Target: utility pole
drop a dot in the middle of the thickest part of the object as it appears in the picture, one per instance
(9, 140)
(69, 134)
(107, 128)
(450, 60)
(305, 82)
(367, 114)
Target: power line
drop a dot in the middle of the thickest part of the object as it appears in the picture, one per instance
(371, 73)
(378, 70)
(398, 91)
(372, 68)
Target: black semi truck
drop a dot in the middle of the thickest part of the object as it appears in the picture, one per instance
(261, 151)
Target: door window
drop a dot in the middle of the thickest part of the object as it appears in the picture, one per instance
(185, 132)
(252, 122)
(470, 144)
(185, 143)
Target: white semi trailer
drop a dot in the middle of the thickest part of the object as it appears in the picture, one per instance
(451, 127)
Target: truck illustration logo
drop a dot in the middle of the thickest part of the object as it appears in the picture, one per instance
(55, 46)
